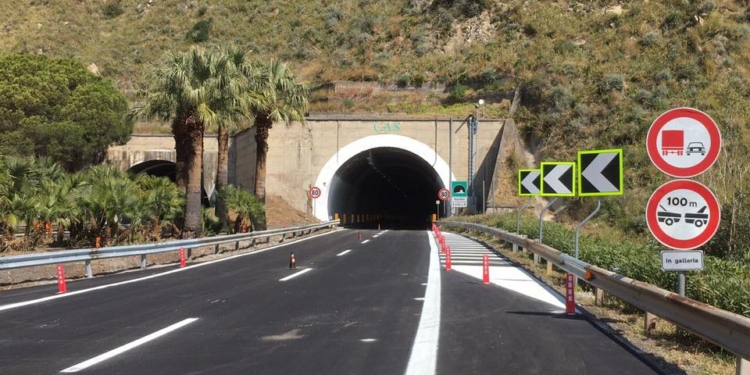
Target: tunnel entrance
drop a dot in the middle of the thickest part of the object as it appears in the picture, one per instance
(388, 186)
(159, 168)
(164, 168)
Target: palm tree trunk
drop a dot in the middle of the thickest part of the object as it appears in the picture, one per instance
(195, 130)
(223, 174)
(182, 152)
(262, 127)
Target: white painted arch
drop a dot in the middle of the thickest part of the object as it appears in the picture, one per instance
(325, 177)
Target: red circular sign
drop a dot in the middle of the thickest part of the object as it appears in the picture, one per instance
(683, 214)
(683, 142)
(314, 192)
(443, 194)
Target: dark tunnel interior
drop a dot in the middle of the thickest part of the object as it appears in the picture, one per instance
(163, 168)
(389, 186)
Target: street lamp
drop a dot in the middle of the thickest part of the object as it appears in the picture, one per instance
(473, 126)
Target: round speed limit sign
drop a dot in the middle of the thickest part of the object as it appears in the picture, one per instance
(443, 194)
(314, 192)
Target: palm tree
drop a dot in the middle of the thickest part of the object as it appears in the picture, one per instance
(232, 108)
(189, 91)
(282, 99)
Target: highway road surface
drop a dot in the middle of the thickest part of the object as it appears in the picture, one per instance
(380, 305)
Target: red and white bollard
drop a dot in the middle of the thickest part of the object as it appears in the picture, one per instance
(62, 287)
(183, 260)
(448, 259)
(570, 295)
(486, 269)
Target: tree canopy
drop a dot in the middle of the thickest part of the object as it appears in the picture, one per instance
(56, 108)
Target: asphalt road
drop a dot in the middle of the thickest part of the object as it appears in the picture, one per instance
(355, 312)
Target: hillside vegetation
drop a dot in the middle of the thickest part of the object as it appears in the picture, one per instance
(591, 74)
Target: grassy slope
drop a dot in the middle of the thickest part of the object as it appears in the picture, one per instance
(591, 76)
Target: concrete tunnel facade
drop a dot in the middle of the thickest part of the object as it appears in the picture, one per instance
(382, 177)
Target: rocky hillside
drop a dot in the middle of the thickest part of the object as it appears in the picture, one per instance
(591, 74)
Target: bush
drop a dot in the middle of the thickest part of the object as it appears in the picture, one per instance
(611, 82)
(458, 91)
(112, 9)
(200, 31)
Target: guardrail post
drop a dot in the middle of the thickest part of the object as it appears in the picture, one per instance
(649, 323)
(217, 248)
(598, 297)
(537, 259)
(236, 245)
(89, 274)
(143, 261)
(743, 366)
(549, 267)
(190, 253)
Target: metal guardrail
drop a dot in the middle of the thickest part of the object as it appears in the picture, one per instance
(726, 329)
(87, 255)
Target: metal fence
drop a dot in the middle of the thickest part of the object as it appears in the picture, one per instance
(143, 250)
(726, 329)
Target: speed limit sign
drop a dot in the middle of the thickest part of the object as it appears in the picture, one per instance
(314, 192)
(443, 194)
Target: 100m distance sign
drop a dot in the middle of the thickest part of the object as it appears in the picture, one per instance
(683, 214)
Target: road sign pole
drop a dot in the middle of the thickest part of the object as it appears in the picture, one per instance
(518, 215)
(681, 283)
(578, 229)
(541, 218)
(450, 162)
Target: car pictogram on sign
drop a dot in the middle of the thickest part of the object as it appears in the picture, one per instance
(695, 148)
(699, 218)
(667, 217)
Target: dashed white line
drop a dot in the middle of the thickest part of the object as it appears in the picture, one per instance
(126, 347)
(296, 274)
(68, 294)
(343, 253)
(365, 241)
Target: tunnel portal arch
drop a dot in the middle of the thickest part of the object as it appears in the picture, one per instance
(379, 174)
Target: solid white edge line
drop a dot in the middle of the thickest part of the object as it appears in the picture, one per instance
(68, 294)
(365, 241)
(343, 253)
(126, 347)
(296, 274)
(423, 359)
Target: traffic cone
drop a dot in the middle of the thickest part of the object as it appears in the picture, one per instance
(359, 236)
(62, 286)
(292, 261)
(378, 226)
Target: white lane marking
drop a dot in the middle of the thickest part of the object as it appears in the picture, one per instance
(68, 294)
(368, 340)
(419, 299)
(296, 274)
(375, 236)
(365, 241)
(343, 253)
(126, 347)
(423, 359)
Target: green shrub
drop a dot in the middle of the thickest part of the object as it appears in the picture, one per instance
(200, 31)
(348, 103)
(112, 9)
(458, 91)
(202, 11)
(611, 82)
